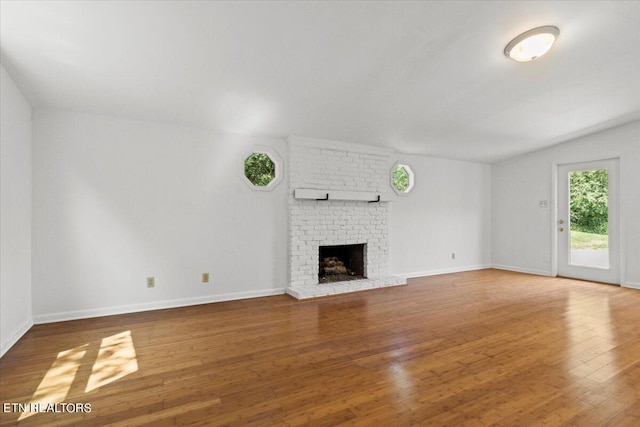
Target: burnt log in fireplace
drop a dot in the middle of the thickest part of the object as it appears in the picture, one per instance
(341, 262)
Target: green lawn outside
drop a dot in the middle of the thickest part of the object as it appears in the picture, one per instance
(580, 240)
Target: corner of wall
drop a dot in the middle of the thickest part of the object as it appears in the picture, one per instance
(15, 213)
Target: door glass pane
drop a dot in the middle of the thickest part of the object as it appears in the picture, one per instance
(589, 218)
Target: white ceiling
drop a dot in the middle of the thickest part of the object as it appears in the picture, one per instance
(419, 77)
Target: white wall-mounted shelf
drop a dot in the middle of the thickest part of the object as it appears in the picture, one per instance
(355, 196)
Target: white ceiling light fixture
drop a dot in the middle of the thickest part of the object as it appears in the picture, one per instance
(532, 44)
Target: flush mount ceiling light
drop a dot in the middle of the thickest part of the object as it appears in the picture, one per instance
(532, 44)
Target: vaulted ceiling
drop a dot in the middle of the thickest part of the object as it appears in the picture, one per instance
(420, 77)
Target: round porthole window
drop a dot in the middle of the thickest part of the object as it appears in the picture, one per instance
(262, 169)
(402, 179)
(259, 169)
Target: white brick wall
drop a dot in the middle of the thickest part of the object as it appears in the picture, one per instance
(325, 165)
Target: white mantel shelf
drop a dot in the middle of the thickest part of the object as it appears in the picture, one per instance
(356, 196)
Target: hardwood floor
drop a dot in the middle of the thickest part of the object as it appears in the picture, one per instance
(468, 349)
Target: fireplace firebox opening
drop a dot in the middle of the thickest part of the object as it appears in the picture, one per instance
(342, 262)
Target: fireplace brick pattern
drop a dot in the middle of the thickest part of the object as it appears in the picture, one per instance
(313, 223)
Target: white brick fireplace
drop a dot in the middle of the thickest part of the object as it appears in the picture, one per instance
(349, 178)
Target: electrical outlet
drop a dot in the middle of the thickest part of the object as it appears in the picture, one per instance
(151, 282)
(546, 258)
(205, 277)
(453, 255)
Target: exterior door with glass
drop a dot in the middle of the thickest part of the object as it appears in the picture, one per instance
(588, 226)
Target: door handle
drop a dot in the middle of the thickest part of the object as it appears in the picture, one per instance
(561, 222)
(561, 229)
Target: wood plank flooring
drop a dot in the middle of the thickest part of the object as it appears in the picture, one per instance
(478, 348)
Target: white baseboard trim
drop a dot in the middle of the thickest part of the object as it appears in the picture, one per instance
(522, 270)
(632, 285)
(442, 271)
(13, 338)
(157, 305)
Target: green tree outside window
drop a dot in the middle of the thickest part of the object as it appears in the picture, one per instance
(259, 169)
(589, 196)
(400, 179)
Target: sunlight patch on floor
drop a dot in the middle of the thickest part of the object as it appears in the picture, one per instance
(56, 383)
(116, 359)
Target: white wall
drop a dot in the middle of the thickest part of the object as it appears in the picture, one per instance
(15, 213)
(448, 210)
(116, 201)
(522, 231)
